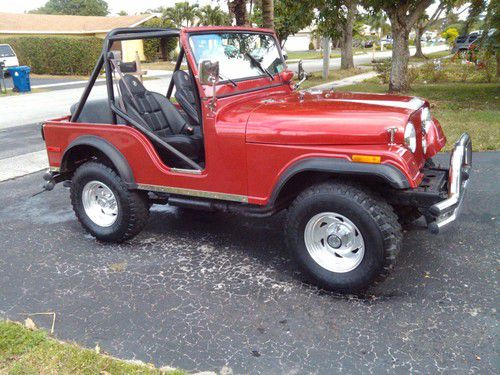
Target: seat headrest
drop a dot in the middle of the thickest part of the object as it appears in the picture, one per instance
(181, 78)
(134, 85)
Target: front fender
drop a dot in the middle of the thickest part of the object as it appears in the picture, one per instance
(387, 173)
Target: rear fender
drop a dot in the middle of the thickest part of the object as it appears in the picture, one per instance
(90, 142)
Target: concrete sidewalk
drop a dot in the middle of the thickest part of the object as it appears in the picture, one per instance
(345, 82)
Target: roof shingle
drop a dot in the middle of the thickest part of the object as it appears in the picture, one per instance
(19, 23)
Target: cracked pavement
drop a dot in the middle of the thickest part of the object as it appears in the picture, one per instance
(204, 291)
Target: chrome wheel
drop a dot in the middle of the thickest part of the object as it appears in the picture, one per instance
(334, 242)
(99, 203)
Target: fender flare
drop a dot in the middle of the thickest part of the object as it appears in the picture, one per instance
(388, 173)
(115, 156)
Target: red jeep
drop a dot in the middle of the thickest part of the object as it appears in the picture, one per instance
(348, 168)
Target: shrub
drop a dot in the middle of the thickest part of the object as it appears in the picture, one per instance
(450, 34)
(383, 69)
(58, 55)
(152, 49)
(461, 71)
(311, 46)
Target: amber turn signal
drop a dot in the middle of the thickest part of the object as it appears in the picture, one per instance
(372, 159)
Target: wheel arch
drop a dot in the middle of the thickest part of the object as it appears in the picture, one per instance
(85, 147)
(310, 171)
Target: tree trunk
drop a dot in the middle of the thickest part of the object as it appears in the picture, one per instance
(346, 55)
(418, 43)
(268, 14)
(398, 81)
(239, 9)
(497, 54)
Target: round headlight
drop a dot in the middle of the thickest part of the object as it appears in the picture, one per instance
(410, 137)
(426, 119)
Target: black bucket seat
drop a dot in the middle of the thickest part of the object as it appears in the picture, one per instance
(161, 117)
(184, 93)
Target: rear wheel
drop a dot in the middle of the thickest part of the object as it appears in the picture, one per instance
(342, 236)
(104, 205)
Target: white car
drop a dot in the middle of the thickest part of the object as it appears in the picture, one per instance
(8, 56)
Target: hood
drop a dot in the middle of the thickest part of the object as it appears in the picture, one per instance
(329, 118)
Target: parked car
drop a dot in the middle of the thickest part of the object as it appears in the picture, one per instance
(8, 56)
(348, 168)
(463, 42)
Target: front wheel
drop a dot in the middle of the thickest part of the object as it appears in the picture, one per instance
(104, 205)
(343, 236)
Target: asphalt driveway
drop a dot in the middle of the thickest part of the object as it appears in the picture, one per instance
(202, 291)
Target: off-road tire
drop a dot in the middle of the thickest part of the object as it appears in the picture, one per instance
(133, 206)
(375, 219)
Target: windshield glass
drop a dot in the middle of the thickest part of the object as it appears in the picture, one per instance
(240, 55)
(6, 51)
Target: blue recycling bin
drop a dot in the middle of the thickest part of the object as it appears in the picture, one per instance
(21, 78)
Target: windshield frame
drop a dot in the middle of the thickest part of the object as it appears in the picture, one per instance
(250, 78)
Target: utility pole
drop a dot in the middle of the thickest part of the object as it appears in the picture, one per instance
(326, 56)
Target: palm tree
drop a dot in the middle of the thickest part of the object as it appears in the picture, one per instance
(238, 10)
(378, 23)
(182, 14)
(268, 14)
(213, 16)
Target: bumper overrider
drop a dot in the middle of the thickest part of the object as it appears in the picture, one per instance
(442, 213)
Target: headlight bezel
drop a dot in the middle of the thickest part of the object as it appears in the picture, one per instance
(426, 122)
(426, 119)
(410, 137)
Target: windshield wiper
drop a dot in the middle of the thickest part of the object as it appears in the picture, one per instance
(259, 65)
(228, 79)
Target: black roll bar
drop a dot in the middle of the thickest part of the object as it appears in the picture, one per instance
(154, 137)
(104, 61)
(88, 89)
(178, 64)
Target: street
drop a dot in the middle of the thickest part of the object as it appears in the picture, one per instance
(202, 291)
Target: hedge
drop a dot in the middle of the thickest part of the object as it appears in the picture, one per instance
(58, 55)
(152, 46)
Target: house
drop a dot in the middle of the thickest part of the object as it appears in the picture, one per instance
(301, 40)
(13, 24)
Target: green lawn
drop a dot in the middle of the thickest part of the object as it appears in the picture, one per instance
(309, 55)
(429, 56)
(23, 351)
(459, 107)
(316, 78)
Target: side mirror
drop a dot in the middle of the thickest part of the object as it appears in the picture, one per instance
(286, 75)
(301, 73)
(209, 72)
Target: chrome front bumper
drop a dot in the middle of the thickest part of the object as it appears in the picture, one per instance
(447, 210)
